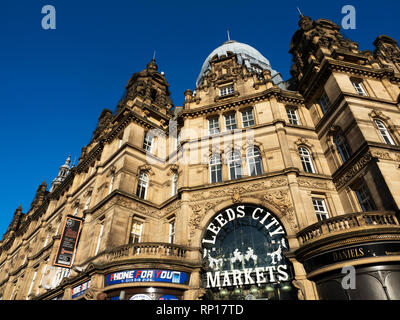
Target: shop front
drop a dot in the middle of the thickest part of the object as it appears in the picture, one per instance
(146, 284)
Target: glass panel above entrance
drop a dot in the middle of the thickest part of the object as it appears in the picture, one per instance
(243, 252)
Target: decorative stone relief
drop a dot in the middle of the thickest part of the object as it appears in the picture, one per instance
(353, 170)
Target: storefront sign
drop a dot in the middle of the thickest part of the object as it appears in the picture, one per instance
(352, 253)
(245, 245)
(147, 275)
(140, 296)
(80, 290)
(168, 297)
(68, 243)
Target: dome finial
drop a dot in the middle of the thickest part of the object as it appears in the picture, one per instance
(300, 13)
(229, 37)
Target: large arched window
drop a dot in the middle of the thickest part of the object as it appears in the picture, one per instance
(384, 132)
(306, 161)
(254, 161)
(343, 147)
(142, 185)
(215, 168)
(235, 165)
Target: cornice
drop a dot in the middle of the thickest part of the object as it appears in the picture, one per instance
(281, 95)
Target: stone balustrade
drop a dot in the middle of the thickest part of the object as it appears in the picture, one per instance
(348, 223)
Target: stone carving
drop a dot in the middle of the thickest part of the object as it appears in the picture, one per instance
(311, 183)
(280, 200)
(353, 170)
(238, 191)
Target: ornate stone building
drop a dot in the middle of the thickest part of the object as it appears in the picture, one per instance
(256, 188)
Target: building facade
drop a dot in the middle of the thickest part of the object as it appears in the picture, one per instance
(256, 188)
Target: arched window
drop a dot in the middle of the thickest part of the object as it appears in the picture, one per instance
(235, 165)
(384, 132)
(215, 168)
(142, 186)
(343, 147)
(306, 160)
(254, 161)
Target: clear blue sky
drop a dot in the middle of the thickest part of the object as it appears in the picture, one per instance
(55, 83)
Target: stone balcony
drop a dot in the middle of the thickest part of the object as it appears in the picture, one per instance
(148, 252)
(353, 223)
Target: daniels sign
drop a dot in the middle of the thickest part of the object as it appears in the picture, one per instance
(244, 245)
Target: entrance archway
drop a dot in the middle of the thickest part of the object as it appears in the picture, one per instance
(243, 254)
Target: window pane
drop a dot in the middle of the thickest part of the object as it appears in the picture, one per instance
(306, 160)
(324, 103)
(359, 88)
(148, 142)
(142, 185)
(292, 116)
(230, 121)
(342, 147)
(226, 90)
(235, 166)
(384, 132)
(247, 118)
(320, 209)
(215, 169)
(213, 125)
(254, 162)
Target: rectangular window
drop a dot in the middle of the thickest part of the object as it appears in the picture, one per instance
(171, 234)
(248, 118)
(136, 231)
(320, 209)
(99, 239)
(292, 116)
(324, 103)
(230, 121)
(224, 91)
(365, 200)
(358, 85)
(148, 142)
(213, 125)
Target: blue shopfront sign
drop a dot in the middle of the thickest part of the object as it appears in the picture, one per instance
(147, 275)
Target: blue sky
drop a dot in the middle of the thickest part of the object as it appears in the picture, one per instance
(55, 83)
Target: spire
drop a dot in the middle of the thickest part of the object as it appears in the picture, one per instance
(62, 174)
(229, 37)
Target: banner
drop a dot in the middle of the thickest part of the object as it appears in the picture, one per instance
(68, 243)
